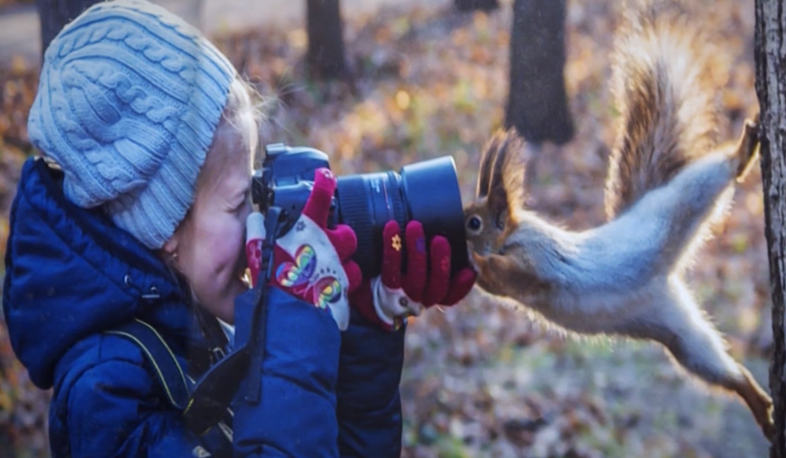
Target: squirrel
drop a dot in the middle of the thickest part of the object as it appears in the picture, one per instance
(669, 181)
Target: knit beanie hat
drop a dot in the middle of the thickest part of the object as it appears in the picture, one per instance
(127, 104)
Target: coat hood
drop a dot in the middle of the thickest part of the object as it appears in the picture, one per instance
(70, 272)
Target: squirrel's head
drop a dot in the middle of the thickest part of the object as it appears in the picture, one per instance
(499, 193)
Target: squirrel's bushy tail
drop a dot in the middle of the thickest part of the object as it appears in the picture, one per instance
(665, 77)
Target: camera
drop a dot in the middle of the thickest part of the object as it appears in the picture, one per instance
(426, 191)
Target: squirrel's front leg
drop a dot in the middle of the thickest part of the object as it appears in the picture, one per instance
(488, 268)
(497, 273)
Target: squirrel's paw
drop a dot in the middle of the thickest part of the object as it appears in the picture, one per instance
(481, 266)
(488, 270)
(748, 148)
(492, 271)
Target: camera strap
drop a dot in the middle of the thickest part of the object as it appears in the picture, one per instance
(179, 388)
(256, 343)
(167, 369)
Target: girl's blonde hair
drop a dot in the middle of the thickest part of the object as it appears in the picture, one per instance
(240, 116)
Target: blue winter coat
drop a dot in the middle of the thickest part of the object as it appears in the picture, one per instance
(71, 274)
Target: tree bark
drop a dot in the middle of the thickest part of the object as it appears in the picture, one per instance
(537, 103)
(477, 5)
(770, 56)
(326, 57)
(55, 14)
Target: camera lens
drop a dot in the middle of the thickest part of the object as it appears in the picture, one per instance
(426, 191)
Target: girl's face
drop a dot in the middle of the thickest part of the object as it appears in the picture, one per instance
(209, 245)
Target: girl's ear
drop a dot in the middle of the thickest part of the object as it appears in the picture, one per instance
(169, 250)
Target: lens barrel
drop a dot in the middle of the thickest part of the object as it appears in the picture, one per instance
(426, 191)
(366, 203)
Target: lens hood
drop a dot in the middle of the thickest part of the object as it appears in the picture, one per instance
(434, 199)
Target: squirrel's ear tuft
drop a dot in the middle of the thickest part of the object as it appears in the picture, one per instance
(514, 171)
(502, 169)
(487, 160)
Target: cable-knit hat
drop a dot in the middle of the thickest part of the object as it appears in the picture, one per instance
(129, 98)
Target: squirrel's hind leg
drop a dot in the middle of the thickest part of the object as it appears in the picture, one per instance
(697, 345)
(758, 401)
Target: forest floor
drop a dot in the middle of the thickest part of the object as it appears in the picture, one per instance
(482, 379)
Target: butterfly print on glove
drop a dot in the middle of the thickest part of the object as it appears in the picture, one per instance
(298, 276)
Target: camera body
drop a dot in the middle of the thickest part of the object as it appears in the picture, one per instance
(426, 191)
(285, 180)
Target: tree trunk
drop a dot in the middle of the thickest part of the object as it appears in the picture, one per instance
(55, 14)
(770, 56)
(325, 57)
(537, 104)
(480, 5)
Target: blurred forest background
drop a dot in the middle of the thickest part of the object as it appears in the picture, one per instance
(482, 379)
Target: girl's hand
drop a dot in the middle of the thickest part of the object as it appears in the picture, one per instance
(388, 299)
(310, 261)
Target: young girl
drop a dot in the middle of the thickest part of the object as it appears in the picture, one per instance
(136, 220)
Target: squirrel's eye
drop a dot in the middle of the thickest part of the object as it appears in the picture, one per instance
(474, 223)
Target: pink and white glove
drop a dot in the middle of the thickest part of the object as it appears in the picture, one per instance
(392, 296)
(310, 261)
